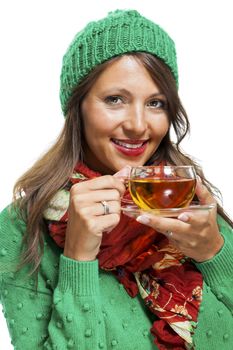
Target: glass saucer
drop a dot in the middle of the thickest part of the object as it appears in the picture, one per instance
(129, 208)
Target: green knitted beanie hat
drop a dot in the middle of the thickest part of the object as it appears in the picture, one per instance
(120, 32)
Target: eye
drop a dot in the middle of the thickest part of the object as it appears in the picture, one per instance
(113, 100)
(157, 104)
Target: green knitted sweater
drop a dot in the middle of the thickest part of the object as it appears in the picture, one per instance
(77, 306)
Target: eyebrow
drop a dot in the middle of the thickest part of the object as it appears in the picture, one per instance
(125, 91)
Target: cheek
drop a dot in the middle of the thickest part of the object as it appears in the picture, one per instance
(91, 119)
(160, 126)
(99, 121)
(95, 128)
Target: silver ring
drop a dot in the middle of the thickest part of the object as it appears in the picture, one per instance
(169, 234)
(106, 207)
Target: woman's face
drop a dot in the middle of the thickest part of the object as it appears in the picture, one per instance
(124, 117)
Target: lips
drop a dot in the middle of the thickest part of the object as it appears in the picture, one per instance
(130, 147)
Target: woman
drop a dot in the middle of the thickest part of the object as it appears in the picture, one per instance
(75, 272)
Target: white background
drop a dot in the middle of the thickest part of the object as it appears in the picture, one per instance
(34, 37)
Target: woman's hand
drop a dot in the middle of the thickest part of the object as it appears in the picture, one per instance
(87, 221)
(195, 234)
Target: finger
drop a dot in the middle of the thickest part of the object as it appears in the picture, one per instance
(200, 218)
(204, 196)
(98, 209)
(124, 173)
(171, 236)
(97, 196)
(107, 222)
(99, 183)
(163, 225)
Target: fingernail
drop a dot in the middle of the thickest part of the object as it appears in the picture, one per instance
(122, 179)
(143, 219)
(123, 173)
(183, 217)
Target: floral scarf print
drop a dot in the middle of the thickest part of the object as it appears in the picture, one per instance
(146, 263)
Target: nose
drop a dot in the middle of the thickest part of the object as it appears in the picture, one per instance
(135, 122)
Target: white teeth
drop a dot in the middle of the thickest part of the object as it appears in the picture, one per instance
(128, 145)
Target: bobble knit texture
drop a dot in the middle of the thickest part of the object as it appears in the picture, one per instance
(79, 307)
(122, 31)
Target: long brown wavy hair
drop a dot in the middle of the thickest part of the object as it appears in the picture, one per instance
(35, 188)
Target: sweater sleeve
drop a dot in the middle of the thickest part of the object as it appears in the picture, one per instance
(218, 271)
(71, 318)
(65, 315)
(77, 319)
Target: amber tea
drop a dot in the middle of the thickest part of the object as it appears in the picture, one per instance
(162, 187)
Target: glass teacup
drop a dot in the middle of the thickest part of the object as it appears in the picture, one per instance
(162, 187)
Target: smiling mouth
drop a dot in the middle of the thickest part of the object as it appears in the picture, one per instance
(130, 144)
(130, 148)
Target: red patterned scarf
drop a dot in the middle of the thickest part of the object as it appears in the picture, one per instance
(145, 263)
